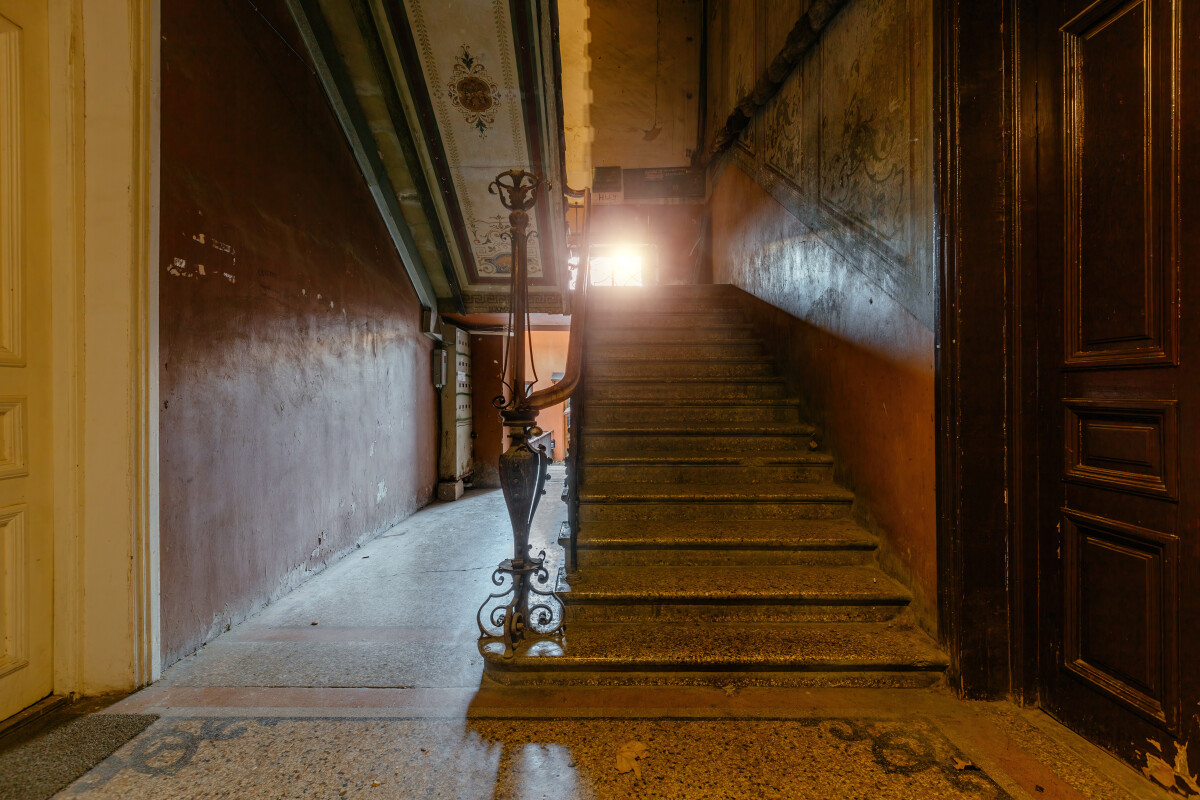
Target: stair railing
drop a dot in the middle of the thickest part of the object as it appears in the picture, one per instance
(525, 604)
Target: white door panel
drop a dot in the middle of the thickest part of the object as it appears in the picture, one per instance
(26, 525)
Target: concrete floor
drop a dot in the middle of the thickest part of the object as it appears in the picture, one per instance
(366, 682)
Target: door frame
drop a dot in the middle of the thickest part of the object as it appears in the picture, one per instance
(985, 338)
(105, 57)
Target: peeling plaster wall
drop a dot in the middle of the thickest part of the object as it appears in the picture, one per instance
(298, 416)
(823, 211)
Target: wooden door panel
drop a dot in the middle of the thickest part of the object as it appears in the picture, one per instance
(26, 477)
(1118, 137)
(1124, 445)
(1118, 393)
(1120, 631)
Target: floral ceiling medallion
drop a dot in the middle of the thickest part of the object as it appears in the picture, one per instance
(473, 92)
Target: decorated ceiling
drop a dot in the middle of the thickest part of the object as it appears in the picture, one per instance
(437, 97)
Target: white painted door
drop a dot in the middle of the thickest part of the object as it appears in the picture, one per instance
(26, 525)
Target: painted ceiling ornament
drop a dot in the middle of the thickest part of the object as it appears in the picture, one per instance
(473, 92)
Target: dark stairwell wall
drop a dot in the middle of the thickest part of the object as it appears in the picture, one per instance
(297, 415)
(823, 211)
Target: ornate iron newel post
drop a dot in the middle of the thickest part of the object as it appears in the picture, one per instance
(526, 605)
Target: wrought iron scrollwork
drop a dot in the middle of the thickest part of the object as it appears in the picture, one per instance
(526, 605)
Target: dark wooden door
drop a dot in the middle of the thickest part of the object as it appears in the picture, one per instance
(1119, 345)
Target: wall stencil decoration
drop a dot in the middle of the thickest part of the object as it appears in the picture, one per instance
(781, 129)
(743, 61)
(863, 169)
(490, 232)
(845, 143)
(864, 158)
(472, 92)
(499, 264)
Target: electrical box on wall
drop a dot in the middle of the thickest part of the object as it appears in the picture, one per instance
(439, 361)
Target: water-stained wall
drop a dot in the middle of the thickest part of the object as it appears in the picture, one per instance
(823, 210)
(297, 411)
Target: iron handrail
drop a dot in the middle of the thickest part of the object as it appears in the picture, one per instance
(563, 389)
(526, 604)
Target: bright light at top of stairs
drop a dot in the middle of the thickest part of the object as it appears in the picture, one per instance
(622, 268)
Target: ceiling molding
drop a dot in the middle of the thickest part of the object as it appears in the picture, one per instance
(438, 97)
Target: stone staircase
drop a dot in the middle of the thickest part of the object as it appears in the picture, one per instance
(714, 546)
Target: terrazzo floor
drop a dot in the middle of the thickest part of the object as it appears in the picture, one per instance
(383, 697)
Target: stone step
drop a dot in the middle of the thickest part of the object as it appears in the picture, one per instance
(723, 542)
(848, 654)
(751, 367)
(605, 412)
(754, 593)
(650, 350)
(598, 389)
(654, 504)
(653, 300)
(714, 493)
(674, 290)
(694, 440)
(611, 319)
(641, 334)
(715, 468)
(636, 426)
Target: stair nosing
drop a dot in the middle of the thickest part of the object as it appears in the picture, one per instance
(739, 340)
(687, 379)
(593, 360)
(703, 402)
(589, 543)
(781, 460)
(751, 429)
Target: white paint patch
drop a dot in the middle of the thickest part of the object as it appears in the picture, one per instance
(380, 492)
(304, 292)
(224, 248)
(229, 277)
(372, 448)
(331, 304)
(199, 237)
(179, 269)
(200, 268)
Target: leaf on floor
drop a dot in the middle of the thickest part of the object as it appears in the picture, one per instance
(628, 757)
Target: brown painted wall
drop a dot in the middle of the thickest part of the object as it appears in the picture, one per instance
(823, 212)
(298, 414)
(487, 362)
(549, 352)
